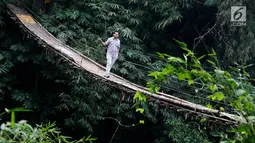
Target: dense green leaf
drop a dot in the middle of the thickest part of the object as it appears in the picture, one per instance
(213, 87)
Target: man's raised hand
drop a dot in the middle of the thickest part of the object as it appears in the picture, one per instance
(100, 40)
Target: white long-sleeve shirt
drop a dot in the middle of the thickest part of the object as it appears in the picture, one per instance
(113, 46)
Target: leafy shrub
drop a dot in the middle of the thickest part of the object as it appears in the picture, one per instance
(22, 132)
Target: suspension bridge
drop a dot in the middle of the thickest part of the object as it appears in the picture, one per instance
(34, 29)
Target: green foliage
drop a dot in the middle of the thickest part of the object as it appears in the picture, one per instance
(140, 100)
(168, 11)
(187, 133)
(180, 130)
(71, 24)
(12, 111)
(238, 49)
(55, 90)
(236, 91)
(217, 95)
(24, 132)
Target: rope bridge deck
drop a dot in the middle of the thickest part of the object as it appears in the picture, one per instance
(47, 40)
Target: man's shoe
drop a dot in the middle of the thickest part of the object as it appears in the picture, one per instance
(107, 75)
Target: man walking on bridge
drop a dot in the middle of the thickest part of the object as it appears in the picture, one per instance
(113, 44)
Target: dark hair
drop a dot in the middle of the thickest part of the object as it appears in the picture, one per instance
(114, 32)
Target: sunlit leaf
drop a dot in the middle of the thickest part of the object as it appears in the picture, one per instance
(209, 106)
(141, 110)
(217, 95)
(211, 62)
(222, 109)
(190, 82)
(141, 121)
(213, 87)
(203, 120)
(201, 57)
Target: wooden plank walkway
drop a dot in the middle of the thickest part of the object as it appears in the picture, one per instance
(47, 40)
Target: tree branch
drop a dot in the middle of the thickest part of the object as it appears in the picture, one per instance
(127, 126)
(114, 133)
(200, 38)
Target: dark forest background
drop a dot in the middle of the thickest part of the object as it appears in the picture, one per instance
(35, 78)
